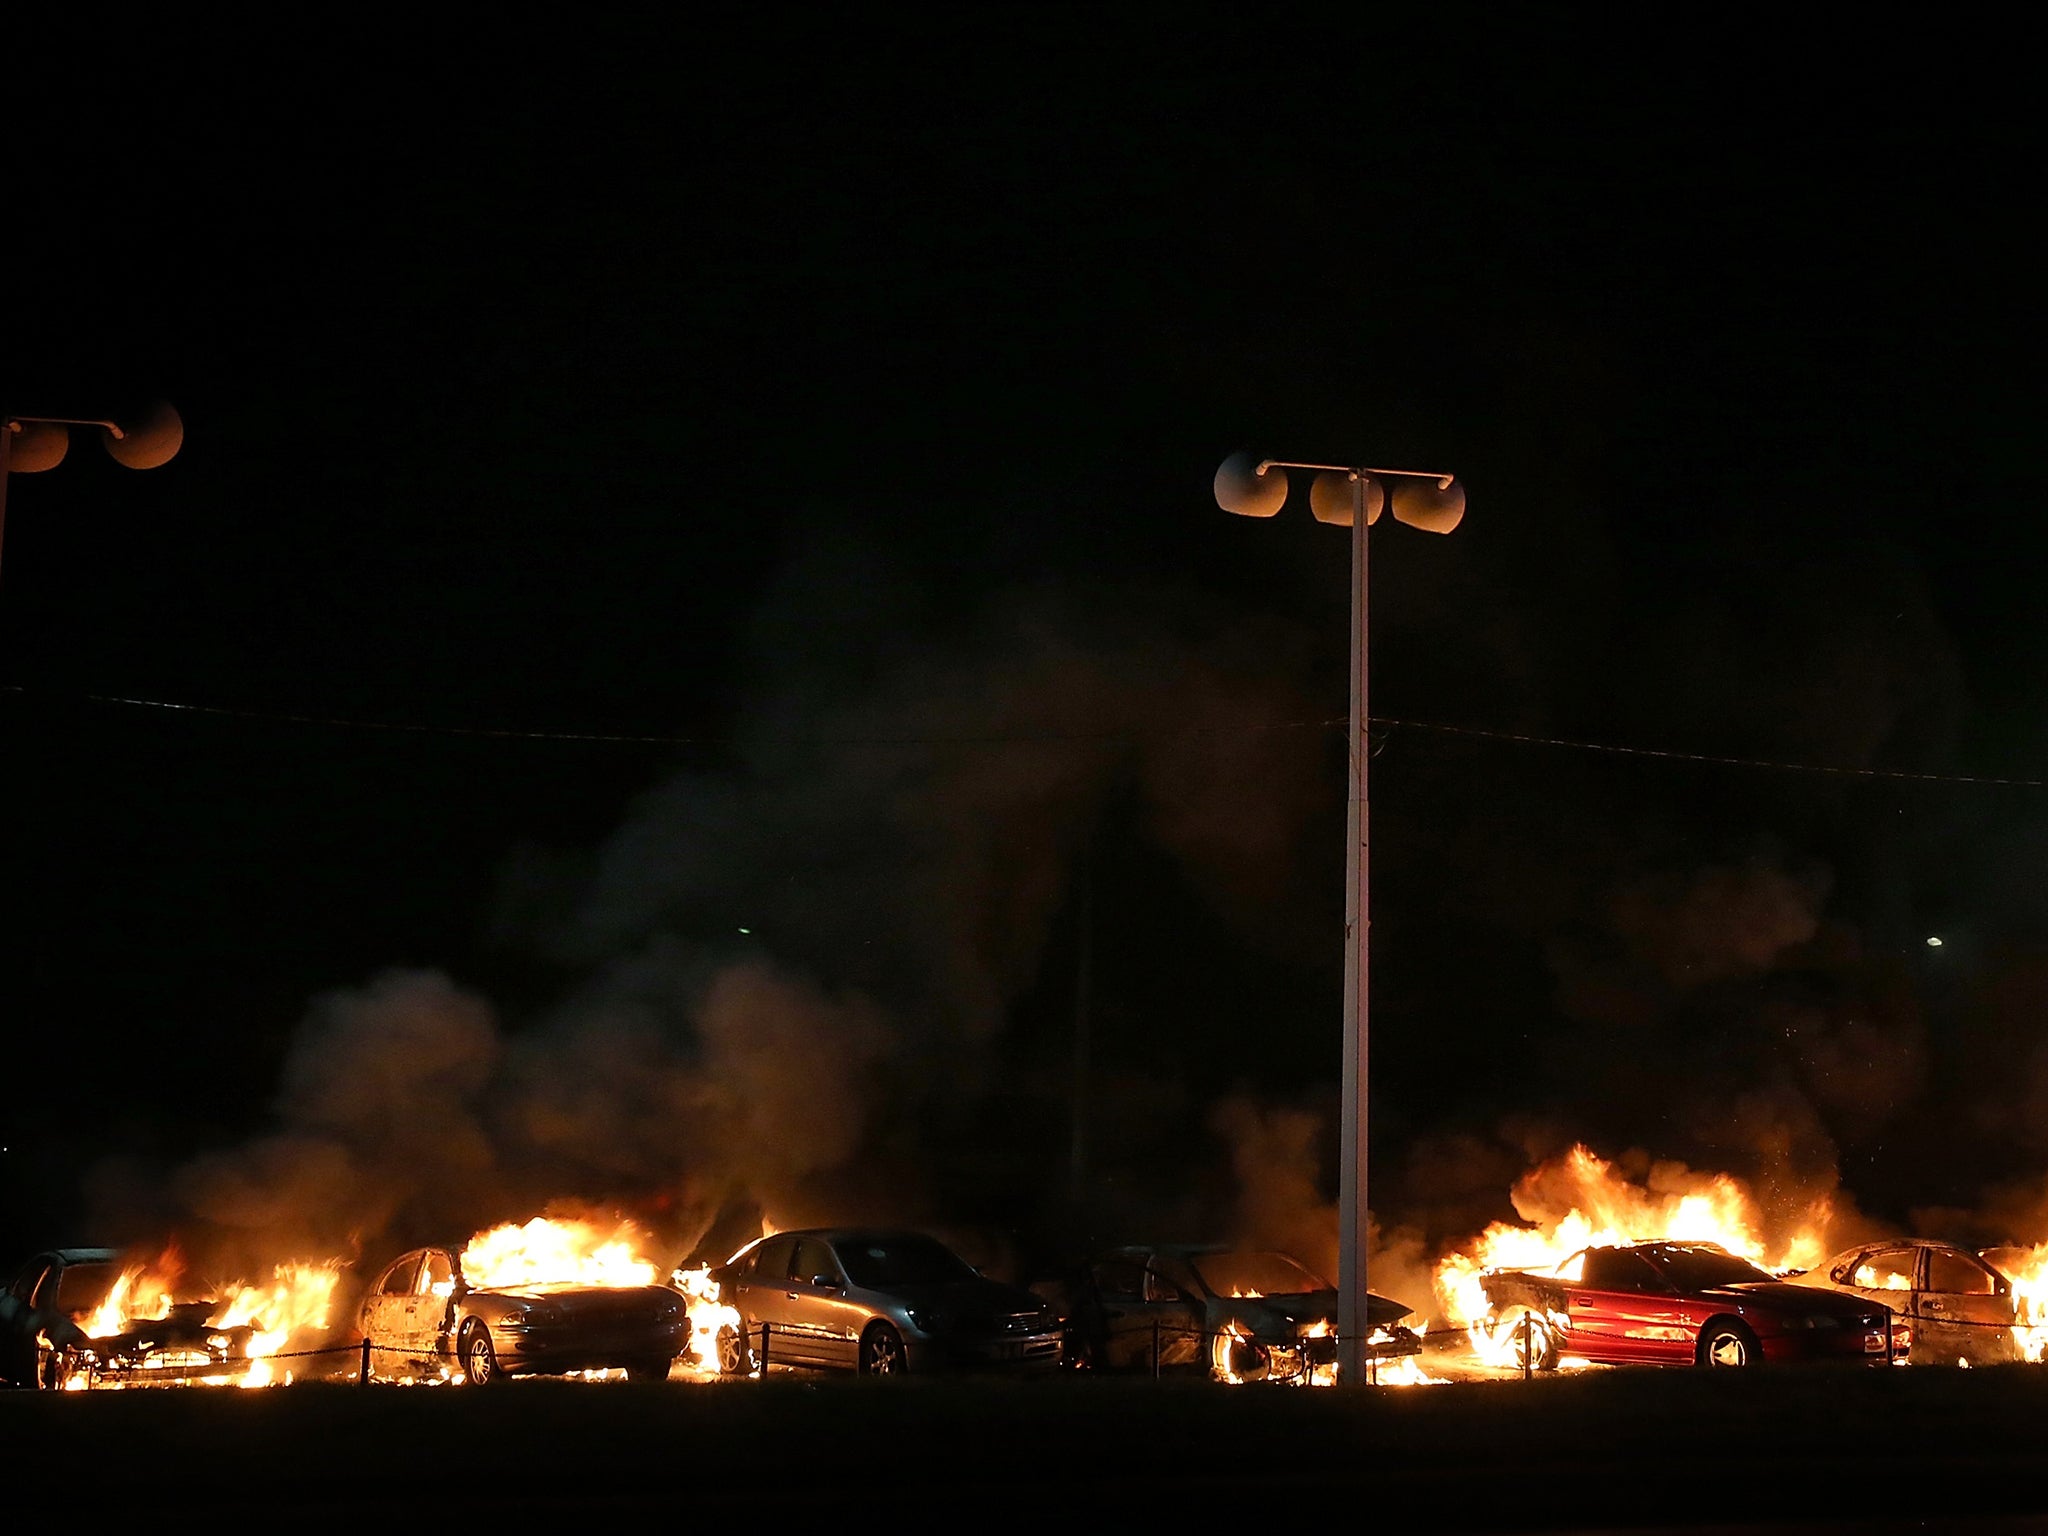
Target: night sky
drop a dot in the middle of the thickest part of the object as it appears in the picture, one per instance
(689, 641)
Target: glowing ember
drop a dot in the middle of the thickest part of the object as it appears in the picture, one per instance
(1601, 1207)
(552, 1251)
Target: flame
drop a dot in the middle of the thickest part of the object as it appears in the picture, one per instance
(246, 1325)
(2027, 1269)
(708, 1314)
(557, 1251)
(1602, 1207)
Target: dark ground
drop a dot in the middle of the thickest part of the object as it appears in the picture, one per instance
(1777, 1451)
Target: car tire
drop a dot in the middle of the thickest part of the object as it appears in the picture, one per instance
(1728, 1343)
(881, 1351)
(735, 1354)
(477, 1356)
(1541, 1344)
(655, 1368)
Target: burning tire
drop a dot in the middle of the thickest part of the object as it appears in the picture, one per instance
(735, 1355)
(1524, 1336)
(881, 1351)
(1729, 1343)
(478, 1357)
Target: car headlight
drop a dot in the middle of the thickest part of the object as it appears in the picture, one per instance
(924, 1319)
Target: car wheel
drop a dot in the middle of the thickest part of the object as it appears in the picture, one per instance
(1530, 1344)
(655, 1369)
(735, 1357)
(478, 1357)
(881, 1351)
(1729, 1343)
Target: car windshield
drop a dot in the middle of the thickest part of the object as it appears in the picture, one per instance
(878, 1262)
(1256, 1274)
(1695, 1269)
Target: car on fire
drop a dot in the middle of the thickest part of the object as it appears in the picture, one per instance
(41, 1310)
(419, 1316)
(46, 1311)
(1240, 1314)
(1675, 1303)
(1949, 1306)
(879, 1301)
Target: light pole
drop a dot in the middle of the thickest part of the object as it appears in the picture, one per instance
(29, 444)
(1350, 496)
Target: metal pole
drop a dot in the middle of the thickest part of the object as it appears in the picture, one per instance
(365, 1379)
(1351, 1180)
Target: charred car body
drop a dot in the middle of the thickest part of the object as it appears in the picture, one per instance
(1239, 1314)
(420, 1317)
(877, 1301)
(1949, 1306)
(43, 1341)
(1675, 1304)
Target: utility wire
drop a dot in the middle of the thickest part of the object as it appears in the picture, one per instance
(1027, 738)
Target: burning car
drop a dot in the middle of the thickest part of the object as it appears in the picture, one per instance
(1241, 1314)
(876, 1301)
(1950, 1306)
(423, 1315)
(1672, 1303)
(41, 1313)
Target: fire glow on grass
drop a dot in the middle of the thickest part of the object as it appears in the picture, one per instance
(1602, 1207)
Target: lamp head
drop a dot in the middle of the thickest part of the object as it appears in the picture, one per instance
(34, 446)
(1332, 497)
(1432, 506)
(148, 438)
(1249, 488)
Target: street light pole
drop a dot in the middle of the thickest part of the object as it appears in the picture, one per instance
(1353, 495)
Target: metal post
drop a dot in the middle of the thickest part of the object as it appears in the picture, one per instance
(1528, 1352)
(365, 1379)
(1351, 1174)
(764, 1350)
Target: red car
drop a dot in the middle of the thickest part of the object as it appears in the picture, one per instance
(1676, 1304)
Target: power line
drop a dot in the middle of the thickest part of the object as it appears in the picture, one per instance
(1031, 738)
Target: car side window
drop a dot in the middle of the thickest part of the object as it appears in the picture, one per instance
(1953, 1273)
(1884, 1269)
(1159, 1288)
(26, 1283)
(1616, 1269)
(772, 1259)
(437, 1275)
(398, 1278)
(815, 1264)
(1120, 1280)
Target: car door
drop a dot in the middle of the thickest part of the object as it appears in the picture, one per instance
(1964, 1310)
(764, 1299)
(386, 1309)
(824, 1323)
(1622, 1312)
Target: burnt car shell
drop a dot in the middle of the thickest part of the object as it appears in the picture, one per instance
(1171, 1307)
(50, 1295)
(1951, 1306)
(1678, 1304)
(421, 1315)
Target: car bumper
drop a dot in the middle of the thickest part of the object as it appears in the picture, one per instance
(549, 1350)
(1030, 1352)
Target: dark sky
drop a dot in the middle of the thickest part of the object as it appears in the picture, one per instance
(692, 584)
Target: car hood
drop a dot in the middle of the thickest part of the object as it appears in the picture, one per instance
(1782, 1295)
(574, 1299)
(1311, 1307)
